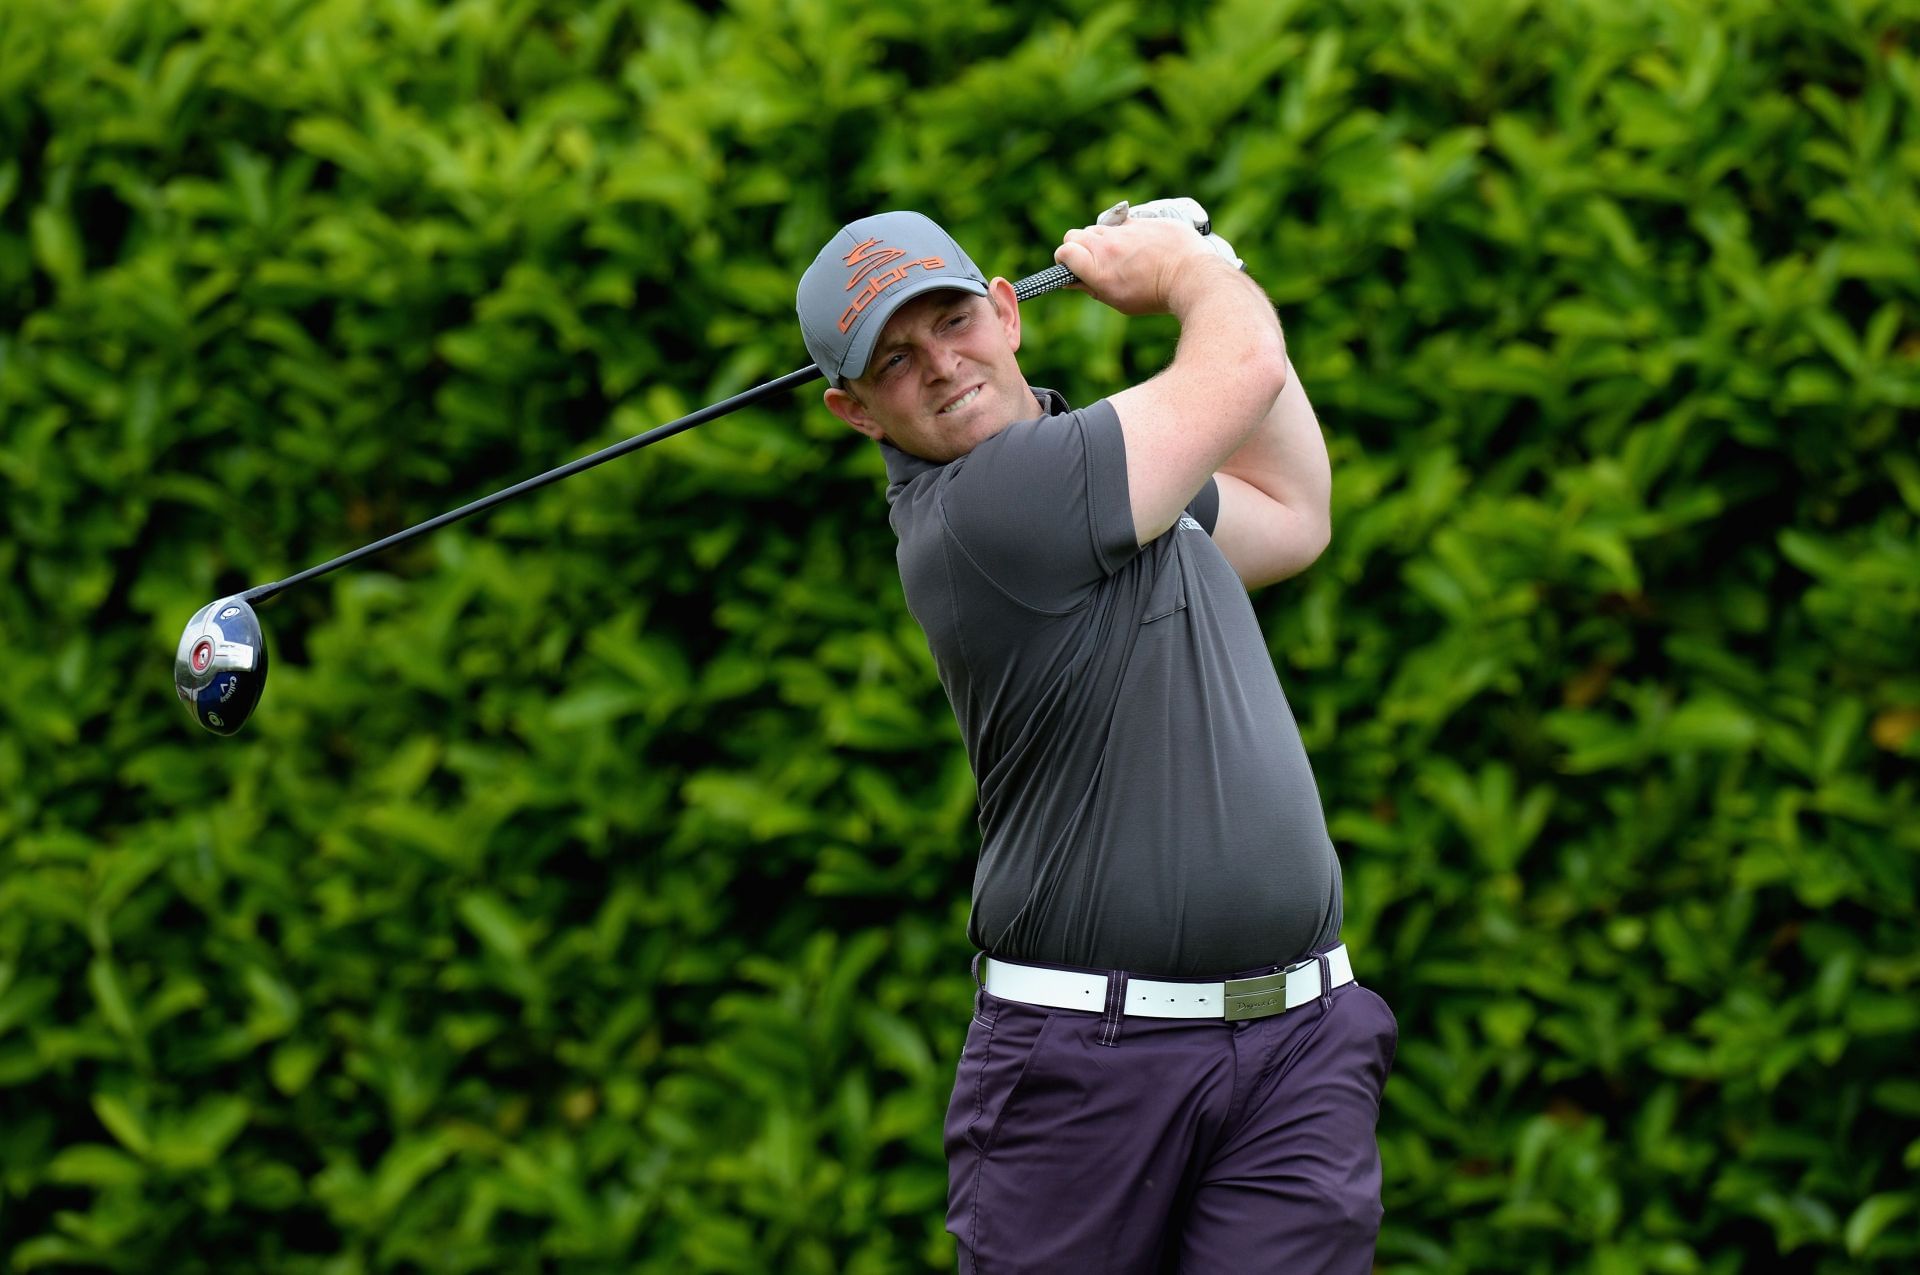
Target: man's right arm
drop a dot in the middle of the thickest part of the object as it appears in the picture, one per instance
(1229, 367)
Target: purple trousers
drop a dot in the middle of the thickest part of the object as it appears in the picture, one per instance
(1198, 1146)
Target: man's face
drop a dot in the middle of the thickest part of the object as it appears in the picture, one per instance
(943, 376)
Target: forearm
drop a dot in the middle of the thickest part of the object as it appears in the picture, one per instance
(1229, 335)
(1285, 456)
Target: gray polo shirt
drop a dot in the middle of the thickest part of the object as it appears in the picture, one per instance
(1145, 800)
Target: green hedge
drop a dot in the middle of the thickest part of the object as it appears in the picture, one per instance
(589, 890)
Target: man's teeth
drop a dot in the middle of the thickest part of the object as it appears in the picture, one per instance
(962, 401)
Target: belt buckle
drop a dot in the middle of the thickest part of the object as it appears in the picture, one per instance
(1258, 997)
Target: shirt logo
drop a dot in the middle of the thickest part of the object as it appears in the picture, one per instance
(864, 261)
(1190, 523)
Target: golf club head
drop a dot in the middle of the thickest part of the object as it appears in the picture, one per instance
(221, 666)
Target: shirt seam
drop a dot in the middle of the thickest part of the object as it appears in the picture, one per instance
(1107, 566)
(1093, 495)
(953, 537)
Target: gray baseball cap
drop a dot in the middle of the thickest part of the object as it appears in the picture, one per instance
(861, 277)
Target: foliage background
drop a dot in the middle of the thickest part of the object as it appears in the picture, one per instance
(589, 890)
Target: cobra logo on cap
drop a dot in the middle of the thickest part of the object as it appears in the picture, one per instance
(869, 256)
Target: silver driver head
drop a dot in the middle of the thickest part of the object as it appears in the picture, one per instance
(221, 666)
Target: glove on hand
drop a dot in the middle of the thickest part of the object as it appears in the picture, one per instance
(1180, 208)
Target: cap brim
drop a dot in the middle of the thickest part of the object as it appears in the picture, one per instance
(874, 321)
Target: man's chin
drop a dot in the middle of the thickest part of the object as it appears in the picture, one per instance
(975, 423)
(952, 435)
(922, 451)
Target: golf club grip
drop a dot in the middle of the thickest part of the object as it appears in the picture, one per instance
(1048, 280)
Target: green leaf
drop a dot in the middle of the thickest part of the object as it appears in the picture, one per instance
(110, 994)
(896, 1041)
(292, 1065)
(24, 1001)
(404, 1167)
(196, 1139)
(276, 1010)
(56, 244)
(121, 1121)
(90, 1164)
(1709, 723)
(1900, 1095)
(51, 1250)
(1874, 1215)
(494, 924)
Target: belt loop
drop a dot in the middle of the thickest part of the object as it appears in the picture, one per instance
(1116, 1008)
(979, 985)
(1326, 981)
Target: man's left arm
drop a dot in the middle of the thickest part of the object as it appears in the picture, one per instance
(1275, 492)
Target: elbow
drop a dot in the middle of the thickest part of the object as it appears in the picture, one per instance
(1259, 377)
(1303, 539)
(1319, 537)
(1312, 534)
(1273, 367)
(1311, 540)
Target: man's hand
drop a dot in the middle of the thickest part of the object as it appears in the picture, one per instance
(1142, 266)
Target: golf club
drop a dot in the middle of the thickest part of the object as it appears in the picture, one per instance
(220, 668)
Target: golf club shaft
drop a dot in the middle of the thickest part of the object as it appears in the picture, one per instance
(1033, 285)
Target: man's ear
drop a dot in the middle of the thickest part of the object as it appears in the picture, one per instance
(1006, 306)
(853, 412)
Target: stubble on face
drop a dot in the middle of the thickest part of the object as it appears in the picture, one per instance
(944, 375)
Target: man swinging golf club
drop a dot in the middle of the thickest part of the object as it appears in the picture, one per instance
(1169, 1065)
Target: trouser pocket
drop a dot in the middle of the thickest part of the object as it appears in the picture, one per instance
(1002, 1039)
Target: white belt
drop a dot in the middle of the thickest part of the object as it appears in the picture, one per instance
(1233, 999)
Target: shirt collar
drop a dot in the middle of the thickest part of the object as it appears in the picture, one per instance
(903, 468)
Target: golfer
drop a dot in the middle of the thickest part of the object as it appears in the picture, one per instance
(1169, 1065)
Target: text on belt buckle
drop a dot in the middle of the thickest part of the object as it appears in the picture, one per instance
(1256, 997)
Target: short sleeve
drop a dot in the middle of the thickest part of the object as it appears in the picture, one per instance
(1042, 508)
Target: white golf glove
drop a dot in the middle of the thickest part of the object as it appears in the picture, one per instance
(1181, 209)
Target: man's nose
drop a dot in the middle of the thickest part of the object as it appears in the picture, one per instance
(943, 361)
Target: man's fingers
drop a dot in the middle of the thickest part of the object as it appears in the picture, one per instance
(1073, 254)
(1078, 241)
